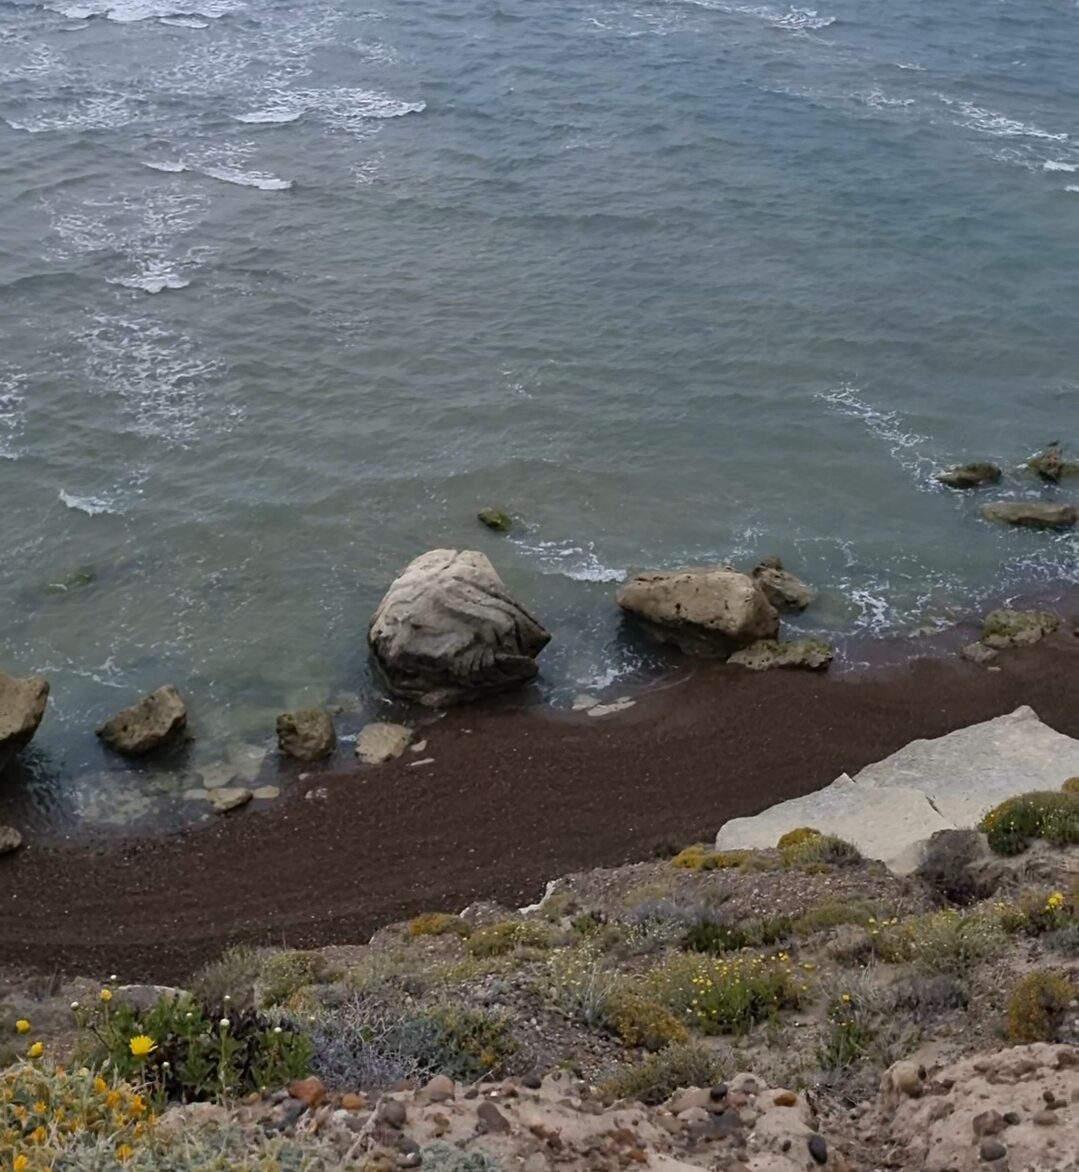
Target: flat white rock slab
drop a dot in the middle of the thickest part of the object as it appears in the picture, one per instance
(890, 808)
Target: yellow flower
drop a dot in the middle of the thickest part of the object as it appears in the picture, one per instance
(40, 1108)
(100, 1085)
(36, 1050)
(124, 1152)
(1055, 901)
(845, 999)
(106, 995)
(22, 1025)
(38, 1135)
(142, 1046)
(20, 1164)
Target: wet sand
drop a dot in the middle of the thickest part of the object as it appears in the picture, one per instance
(514, 798)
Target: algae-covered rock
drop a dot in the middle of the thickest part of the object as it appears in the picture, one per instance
(76, 580)
(1032, 514)
(495, 519)
(782, 589)
(306, 735)
(156, 721)
(1052, 466)
(22, 706)
(708, 609)
(970, 475)
(806, 654)
(1017, 628)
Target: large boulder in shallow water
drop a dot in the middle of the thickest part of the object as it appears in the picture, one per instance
(1032, 514)
(156, 721)
(448, 631)
(22, 705)
(710, 609)
(306, 735)
(783, 590)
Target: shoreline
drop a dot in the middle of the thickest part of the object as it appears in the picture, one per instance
(515, 796)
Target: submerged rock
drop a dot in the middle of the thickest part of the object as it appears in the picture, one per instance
(1017, 628)
(782, 589)
(155, 721)
(1032, 514)
(1052, 466)
(495, 519)
(448, 631)
(381, 742)
(970, 475)
(22, 706)
(306, 735)
(710, 609)
(231, 798)
(807, 654)
(10, 840)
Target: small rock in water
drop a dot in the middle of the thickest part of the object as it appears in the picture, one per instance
(970, 475)
(224, 800)
(306, 735)
(195, 795)
(619, 705)
(1032, 514)
(218, 776)
(1051, 465)
(381, 742)
(10, 840)
(495, 519)
(22, 705)
(266, 793)
(154, 722)
(782, 589)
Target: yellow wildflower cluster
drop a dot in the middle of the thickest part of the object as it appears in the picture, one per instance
(47, 1115)
(728, 994)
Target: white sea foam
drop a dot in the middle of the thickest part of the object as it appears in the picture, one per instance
(99, 112)
(272, 116)
(155, 280)
(578, 561)
(886, 426)
(92, 506)
(184, 22)
(793, 19)
(131, 11)
(169, 168)
(263, 180)
(984, 121)
(340, 109)
(1056, 165)
(1072, 187)
(12, 413)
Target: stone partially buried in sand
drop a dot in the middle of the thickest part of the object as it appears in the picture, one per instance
(1017, 628)
(10, 840)
(709, 609)
(157, 721)
(230, 798)
(306, 735)
(1031, 514)
(448, 631)
(803, 654)
(890, 808)
(22, 706)
(381, 742)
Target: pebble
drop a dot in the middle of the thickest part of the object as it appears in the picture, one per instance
(786, 1099)
(10, 839)
(266, 793)
(230, 798)
(1045, 1118)
(532, 1081)
(818, 1149)
(392, 1112)
(1011, 1118)
(492, 1118)
(992, 1149)
(988, 1123)
(353, 1102)
(309, 1091)
(439, 1089)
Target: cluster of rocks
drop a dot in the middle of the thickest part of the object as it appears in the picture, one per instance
(542, 1123)
(1050, 467)
(1010, 628)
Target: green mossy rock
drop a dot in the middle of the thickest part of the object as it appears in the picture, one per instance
(1017, 628)
(495, 519)
(970, 475)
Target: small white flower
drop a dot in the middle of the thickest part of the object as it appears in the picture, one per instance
(278, 1030)
(227, 997)
(189, 1014)
(114, 978)
(224, 1023)
(166, 1066)
(74, 1005)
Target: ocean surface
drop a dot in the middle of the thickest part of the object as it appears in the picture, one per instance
(290, 288)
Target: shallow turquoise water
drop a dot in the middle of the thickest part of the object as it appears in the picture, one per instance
(291, 289)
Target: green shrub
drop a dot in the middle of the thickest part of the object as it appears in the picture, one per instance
(864, 1029)
(233, 975)
(850, 1033)
(820, 850)
(1037, 913)
(1013, 825)
(946, 942)
(439, 924)
(797, 836)
(475, 1042)
(285, 973)
(443, 1157)
(726, 994)
(1037, 1006)
(660, 1075)
(184, 1050)
(1071, 786)
(832, 914)
(637, 1020)
(507, 936)
(703, 858)
(717, 936)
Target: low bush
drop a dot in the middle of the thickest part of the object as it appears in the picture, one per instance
(1037, 1006)
(182, 1049)
(443, 1157)
(439, 924)
(1037, 913)
(863, 1027)
(820, 850)
(642, 1021)
(727, 994)
(704, 858)
(947, 941)
(233, 975)
(579, 983)
(797, 836)
(1071, 786)
(1013, 825)
(660, 1075)
(717, 936)
(284, 974)
(507, 936)
(833, 914)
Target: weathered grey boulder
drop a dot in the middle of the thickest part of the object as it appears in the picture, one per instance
(448, 631)
(891, 808)
(306, 735)
(22, 705)
(782, 589)
(1032, 514)
(710, 609)
(156, 721)
(381, 742)
(806, 654)
(1017, 628)
(970, 475)
(10, 840)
